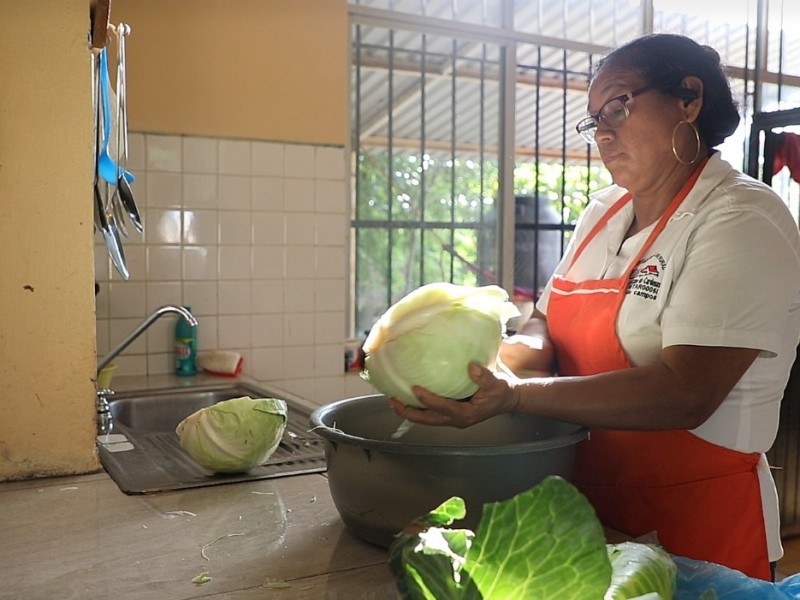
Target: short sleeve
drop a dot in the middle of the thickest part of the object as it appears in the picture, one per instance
(728, 290)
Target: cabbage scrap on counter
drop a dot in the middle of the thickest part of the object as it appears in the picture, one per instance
(545, 544)
(430, 336)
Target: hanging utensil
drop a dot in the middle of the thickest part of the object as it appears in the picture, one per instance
(104, 219)
(107, 168)
(119, 214)
(123, 186)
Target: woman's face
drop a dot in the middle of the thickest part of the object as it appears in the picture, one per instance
(638, 151)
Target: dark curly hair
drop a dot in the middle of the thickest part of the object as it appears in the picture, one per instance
(663, 60)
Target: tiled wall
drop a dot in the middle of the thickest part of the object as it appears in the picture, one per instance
(253, 237)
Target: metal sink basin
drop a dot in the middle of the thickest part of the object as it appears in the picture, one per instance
(142, 454)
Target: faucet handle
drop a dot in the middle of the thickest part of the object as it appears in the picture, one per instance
(104, 422)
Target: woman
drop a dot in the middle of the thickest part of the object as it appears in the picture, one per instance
(672, 320)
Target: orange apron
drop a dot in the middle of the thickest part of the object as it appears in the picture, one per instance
(702, 500)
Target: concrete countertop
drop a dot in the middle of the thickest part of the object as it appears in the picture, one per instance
(81, 537)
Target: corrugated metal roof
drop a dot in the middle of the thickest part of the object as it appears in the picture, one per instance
(461, 89)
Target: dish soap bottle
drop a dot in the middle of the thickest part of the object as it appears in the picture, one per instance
(185, 347)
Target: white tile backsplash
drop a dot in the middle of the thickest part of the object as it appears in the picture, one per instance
(136, 151)
(328, 326)
(235, 192)
(268, 193)
(329, 163)
(267, 159)
(126, 299)
(234, 157)
(208, 332)
(330, 230)
(298, 362)
(235, 262)
(200, 262)
(298, 195)
(163, 153)
(267, 364)
(162, 226)
(298, 330)
(200, 155)
(235, 298)
(164, 263)
(235, 331)
(268, 330)
(300, 229)
(269, 262)
(253, 236)
(161, 293)
(269, 229)
(327, 362)
(299, 261)
(164, 189)
(330, 196)
(235, 227)
(202, 296)
(267, 295)
(136, 260)
(299, 296)
(200, 190)
(201, 227)
(329, 294)
(299, 161)
(328, 261)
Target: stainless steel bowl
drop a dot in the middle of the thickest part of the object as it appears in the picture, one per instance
(379, 485)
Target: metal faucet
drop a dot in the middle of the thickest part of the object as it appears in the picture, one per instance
(141, 328)
(104, 423)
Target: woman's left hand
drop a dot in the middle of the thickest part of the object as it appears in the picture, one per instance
(496, 394)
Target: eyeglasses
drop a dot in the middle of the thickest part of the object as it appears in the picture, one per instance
(613, 113)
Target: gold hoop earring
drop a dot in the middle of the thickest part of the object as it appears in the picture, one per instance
(696, 137)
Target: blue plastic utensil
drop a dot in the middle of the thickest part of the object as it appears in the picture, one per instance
(108, 169)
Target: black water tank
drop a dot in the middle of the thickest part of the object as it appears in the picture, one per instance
(537, 243)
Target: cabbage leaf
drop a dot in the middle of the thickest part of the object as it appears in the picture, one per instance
(640, 569)
(543, 544)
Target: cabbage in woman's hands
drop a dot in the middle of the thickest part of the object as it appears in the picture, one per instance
(429, 338)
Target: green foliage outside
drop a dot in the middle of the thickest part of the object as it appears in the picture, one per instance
(434, 219)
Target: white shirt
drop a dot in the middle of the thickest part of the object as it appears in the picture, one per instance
(724, 272)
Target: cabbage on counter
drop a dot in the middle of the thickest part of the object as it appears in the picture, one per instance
(545, 543)
(234, 435)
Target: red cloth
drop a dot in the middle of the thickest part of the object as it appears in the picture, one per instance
(787, 154)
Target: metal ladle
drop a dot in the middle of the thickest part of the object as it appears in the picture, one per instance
(123, 184)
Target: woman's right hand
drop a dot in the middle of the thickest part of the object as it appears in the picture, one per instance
(496, 394)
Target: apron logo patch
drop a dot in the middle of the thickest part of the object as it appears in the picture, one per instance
(645, 278)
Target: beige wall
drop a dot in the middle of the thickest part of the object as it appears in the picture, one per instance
(47, 328)
(255, 69)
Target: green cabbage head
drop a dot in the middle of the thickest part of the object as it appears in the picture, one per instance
(429, 337)
(234, 435)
